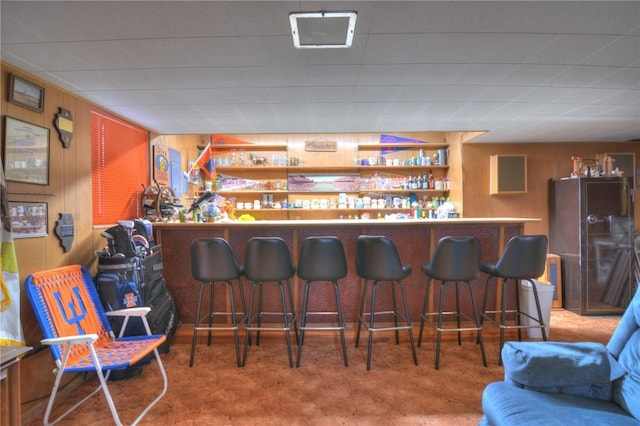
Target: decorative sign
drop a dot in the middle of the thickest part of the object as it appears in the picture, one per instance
(391, 139)
(227, 140)
(161, 165)
(64, 126)
(320, 146)
(386, 139)
(64, 230)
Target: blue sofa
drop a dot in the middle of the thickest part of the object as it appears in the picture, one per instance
(556, 383)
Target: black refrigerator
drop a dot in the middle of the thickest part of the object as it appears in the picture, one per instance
(591, 228)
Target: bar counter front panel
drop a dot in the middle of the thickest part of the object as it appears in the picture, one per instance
(414, 239)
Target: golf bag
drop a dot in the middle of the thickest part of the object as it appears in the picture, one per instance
(130, 274)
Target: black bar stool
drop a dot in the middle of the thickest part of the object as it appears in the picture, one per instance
(377, 261)
(454, 260)
(524, 258)
(213, 261)
(322, 259)
(268, 259)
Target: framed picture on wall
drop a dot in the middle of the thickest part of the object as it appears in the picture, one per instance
(26, 94)
(28, 219)
(26, 152)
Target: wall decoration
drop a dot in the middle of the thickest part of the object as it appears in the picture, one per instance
(64, 126)
(26, 94)
(28, 219)
(391, 139)
(26, 152)
(64, 230)
(321, 145)
(346, 182)
(175, 172)
(160, 165)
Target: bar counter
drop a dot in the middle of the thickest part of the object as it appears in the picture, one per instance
(415, 240)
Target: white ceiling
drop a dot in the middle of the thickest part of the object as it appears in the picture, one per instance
(523, 71)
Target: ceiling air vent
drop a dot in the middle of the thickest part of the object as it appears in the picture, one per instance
(322, 30)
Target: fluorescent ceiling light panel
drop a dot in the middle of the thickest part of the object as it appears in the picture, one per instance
(322, 30)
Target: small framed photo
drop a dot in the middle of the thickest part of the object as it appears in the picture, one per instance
(26, 152)
(28, 219)
(26, 94)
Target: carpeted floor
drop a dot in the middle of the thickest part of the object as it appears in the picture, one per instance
(322, 391)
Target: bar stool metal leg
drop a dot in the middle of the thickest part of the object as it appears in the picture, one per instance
(305, 313)
(210, 315)
(285, 320)
(321, 259)
(341, 323)
(371, 323)
(288, 318)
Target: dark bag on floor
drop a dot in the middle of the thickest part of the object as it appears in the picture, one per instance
(163, 318)
(117, 284)
(137, 264)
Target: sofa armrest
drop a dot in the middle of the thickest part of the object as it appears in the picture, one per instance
(583, 369)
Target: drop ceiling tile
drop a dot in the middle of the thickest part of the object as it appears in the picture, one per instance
(186, 66)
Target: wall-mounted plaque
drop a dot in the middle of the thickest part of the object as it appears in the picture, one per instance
(65, 231)
(320, 146)
(64, 126)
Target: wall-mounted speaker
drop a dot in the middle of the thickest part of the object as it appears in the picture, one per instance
(508, 174)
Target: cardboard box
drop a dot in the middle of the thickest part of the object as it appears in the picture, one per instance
(553, 275)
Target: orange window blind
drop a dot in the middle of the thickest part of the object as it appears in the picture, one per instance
(119, 168)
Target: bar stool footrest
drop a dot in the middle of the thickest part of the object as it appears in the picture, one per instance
(465, 317)
(513, 326)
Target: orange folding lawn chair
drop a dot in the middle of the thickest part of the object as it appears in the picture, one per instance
(77, 330)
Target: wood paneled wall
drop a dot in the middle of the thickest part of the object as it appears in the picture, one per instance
(69, 191)
(545, 161)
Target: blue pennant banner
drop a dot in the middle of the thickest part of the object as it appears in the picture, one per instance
(391, 139)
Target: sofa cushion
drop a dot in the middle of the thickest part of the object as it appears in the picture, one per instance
(504, 404)
(626, 390)
(583, 368)
(629, 324)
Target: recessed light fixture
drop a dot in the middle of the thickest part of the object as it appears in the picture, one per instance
(322, 30)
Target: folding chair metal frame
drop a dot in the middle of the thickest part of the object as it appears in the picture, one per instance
(65, 300)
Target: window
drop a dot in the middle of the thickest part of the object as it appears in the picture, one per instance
(119, 168)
